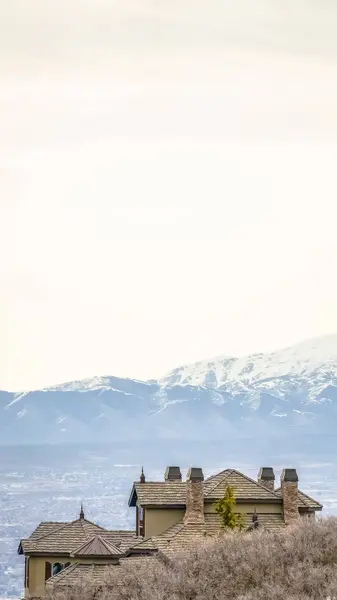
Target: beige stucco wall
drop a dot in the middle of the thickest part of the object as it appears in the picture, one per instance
(249, 508)
(37, 571)
(158, 520)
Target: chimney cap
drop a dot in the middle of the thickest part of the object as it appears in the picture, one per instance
(195, 474)
(266, 474)
(289, 475)
(172, 474)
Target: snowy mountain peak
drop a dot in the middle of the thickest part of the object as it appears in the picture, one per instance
(267, 394)
(302, 361)
(90, 383)
(105, 382)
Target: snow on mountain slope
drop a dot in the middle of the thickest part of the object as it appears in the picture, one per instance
(91, 383)
(313, 362)
(264, 395)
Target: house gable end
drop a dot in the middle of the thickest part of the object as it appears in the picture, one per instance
(245, 487)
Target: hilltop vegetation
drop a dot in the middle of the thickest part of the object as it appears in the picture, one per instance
(299, 564)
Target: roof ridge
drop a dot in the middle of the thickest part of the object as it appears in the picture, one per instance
(90, 523)
(86, 543)
(179, 526)
(255, 482)
(107, 545)
(160, 481)
(225, 473)
(214, 475)
(82, 526)
(67, 524)
(176, 528)
(133, 531)
(41, 537)
(64, 572)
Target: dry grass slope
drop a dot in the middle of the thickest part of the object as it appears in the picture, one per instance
(299, 564)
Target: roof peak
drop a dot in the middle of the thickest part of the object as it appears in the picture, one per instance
(227, 473)
(97, 546)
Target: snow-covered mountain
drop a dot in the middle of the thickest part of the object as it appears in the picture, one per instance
(263, 394)
(311, 364)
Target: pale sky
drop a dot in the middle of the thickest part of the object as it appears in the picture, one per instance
(168, 186)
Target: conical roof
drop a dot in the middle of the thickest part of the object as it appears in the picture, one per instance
(97, 546)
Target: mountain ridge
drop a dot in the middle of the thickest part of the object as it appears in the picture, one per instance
(267, 394)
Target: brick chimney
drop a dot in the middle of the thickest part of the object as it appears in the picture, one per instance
(194, 496)
(289, 490)
(266, 478)
(172, 474)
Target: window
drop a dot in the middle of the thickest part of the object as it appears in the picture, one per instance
(27, 572)
(58, 567)
(54, 568)
(47, 571)
(141, 521)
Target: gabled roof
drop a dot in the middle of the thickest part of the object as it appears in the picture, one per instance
(183, 536)
(63, 539)
(164, 493)
(97, 546)
(304, 501)
(245, 487)
(173, 493)
(67, 538)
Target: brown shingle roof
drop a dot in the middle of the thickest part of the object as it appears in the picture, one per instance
(244, 487)
(97, 546)
(62, 540)
(183, 536)
(66, 538)
(304, 501)
(45, 528)
(173, 493)
(123, 539)
(81, 574)
(159, 493)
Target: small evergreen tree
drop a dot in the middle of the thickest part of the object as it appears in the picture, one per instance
(226, 508)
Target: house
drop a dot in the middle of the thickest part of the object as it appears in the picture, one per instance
(171, 515)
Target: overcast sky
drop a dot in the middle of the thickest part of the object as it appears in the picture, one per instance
(168, 185)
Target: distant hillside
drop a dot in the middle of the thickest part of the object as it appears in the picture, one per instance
(289, 392)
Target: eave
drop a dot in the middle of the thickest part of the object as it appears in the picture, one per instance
(106, 557)
(310, 509)
(213, 500)
(252, 500)
(45, 553)
(141, 552)
(181, 506)
(133, 497)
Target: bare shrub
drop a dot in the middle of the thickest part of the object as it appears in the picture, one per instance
(297, 564)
